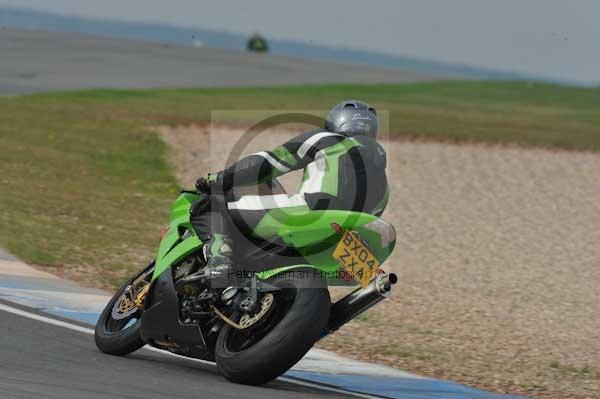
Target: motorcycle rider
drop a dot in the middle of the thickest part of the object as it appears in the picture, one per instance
(344, 168)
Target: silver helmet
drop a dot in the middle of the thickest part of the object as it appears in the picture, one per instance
(353, 118)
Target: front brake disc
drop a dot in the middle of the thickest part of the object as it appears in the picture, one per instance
(266, 303)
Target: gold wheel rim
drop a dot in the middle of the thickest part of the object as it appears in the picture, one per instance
(128, 304)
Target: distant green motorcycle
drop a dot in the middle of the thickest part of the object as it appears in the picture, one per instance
(258, 44)
(259, 329)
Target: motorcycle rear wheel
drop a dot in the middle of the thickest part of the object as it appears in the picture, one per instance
(298, 320)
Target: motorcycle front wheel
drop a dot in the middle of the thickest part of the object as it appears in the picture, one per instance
(299, 317)
(118, 328)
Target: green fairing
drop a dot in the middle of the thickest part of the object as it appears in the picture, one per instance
(172, 249)
(310, 232)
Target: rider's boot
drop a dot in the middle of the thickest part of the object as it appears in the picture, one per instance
(218, 272)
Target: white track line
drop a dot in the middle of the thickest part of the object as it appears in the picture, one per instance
(75, 327)
(45, 319)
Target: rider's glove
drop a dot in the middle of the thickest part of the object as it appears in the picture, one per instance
(204, 184)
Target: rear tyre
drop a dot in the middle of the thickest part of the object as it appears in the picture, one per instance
(118, 328)
(298, 319)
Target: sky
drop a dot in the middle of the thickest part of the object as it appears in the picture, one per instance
(552, 38)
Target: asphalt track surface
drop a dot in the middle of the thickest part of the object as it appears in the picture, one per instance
(33, 61)
(41, 360)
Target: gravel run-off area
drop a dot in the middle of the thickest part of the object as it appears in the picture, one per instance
(498, 258)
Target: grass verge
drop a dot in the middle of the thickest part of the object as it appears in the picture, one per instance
(85, 186)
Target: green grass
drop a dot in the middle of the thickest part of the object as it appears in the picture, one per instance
(528, 114)
(86, 186)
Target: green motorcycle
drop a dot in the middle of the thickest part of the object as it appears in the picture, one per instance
(257, 330)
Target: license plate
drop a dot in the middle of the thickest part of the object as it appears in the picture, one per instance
(356, 258)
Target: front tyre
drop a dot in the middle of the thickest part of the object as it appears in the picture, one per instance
(299, 318)
(118, 328)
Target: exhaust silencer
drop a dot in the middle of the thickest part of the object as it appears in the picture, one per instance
(360, 300)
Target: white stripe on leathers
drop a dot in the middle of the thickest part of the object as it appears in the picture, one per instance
(274, 162)
(260, 202)
(308, 144)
